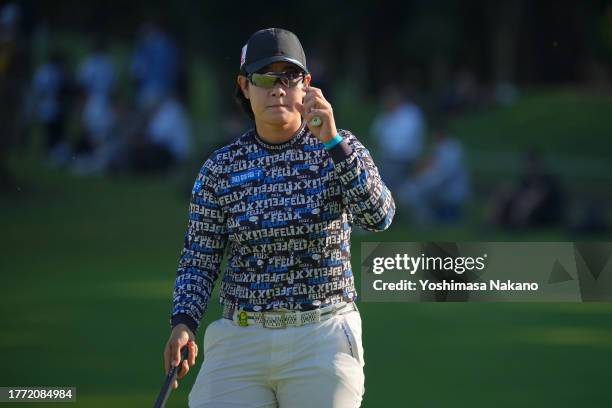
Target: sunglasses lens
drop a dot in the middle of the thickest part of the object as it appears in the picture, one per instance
(288, 79)
(263, 80)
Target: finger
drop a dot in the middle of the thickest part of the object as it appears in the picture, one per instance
(173, 352)
(178, 358)
(321, 113)
(314, 94)
(307, 116)
(309, 105)
(316, 103)
(308, 98)
(193, 352)
(318, 95)
(176, 354)
(167, 358)
(184, 370)
(320, 103)
(175, 385)
(315, 90)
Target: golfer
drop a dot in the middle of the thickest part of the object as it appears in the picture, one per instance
(282, 198)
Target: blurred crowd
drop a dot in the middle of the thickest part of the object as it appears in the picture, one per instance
(426, 168)
(150, 132)
(431, 183)
(90, 125)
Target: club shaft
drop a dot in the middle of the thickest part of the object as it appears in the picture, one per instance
(169, 381)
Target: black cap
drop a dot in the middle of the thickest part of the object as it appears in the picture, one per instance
(271, 45)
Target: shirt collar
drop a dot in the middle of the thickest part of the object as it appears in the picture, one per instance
(279, 146)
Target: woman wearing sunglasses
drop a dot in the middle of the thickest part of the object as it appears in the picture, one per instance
(282, 199)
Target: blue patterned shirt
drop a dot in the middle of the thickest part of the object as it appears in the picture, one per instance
(284, 213)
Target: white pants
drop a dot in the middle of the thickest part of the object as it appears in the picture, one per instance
(315, 365)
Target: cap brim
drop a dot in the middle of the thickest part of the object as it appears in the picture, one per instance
(256, 66)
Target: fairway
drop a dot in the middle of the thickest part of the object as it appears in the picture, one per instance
(88, 267)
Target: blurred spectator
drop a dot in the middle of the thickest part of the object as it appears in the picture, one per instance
(155, 64)
(165, 141)
(440, 185)
(506, 94)
(462, 94)
(399, 131)
(170, 128)
(51, 94)
(536, 200)
(97, 78)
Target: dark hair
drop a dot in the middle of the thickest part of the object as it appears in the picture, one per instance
(243, 102)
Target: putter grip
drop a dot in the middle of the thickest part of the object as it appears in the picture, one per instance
(170, 378)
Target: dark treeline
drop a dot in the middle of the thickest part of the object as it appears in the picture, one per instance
(518, 41)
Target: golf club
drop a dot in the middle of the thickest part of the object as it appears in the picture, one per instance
(170, 378)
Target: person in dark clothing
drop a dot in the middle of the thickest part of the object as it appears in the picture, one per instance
(536, 201)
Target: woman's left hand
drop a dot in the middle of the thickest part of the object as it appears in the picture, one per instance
(315, 105)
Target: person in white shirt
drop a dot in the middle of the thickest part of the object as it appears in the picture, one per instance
(170, 129)
(400, 131)
(97, 78)
(441, 185)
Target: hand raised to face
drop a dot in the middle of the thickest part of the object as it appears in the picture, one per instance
(316, 106)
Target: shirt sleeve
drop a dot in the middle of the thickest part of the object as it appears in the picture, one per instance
(200, 260)
(364, 193)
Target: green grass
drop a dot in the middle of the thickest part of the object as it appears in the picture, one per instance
(570, 127)
(88, 267)
(560, 121)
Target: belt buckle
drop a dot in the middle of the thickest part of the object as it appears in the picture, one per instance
(243, 318)
(283, 320)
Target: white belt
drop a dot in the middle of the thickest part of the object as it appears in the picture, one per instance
(282, 318)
